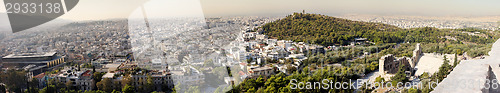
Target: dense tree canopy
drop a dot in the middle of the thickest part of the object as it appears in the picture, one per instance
(325, 30)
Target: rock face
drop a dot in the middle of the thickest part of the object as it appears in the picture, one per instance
(474, 76)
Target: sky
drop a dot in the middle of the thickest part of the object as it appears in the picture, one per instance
(110, 9)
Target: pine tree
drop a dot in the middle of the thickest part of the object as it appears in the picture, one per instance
(400, 76)
(455, 63)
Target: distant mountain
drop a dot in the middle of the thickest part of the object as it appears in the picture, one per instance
(326, 30)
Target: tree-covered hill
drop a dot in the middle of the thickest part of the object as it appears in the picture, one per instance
(325, 30)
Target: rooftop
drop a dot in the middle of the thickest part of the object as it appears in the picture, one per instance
(28, 55)
(261, 68)
(39, 76)
(108, 75)
(87, 73)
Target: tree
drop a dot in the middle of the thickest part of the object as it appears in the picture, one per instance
(96, 91)
(114, 91)
(69, 85)
(49, 89)
(218, 90)
(193, 89)
(60, 85)
(149, 84)
(2, 89)
(14, 80)
(413, 90)
(400, 76)
(424, 75)
(380, 80)
(33, 85)
(128, 89)
(32, 90)
(69, 91)
(290, 68)
(105, 85)
(443, 70)
(97, 77)
(455, 62)
(127, 80)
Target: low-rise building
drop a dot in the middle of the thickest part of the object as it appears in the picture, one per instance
(255, 72)
(35, 63)
(79, 79)
(188, 75)
(161, 78)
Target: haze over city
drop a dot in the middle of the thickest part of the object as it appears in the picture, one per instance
(109, 9)
(240, 46)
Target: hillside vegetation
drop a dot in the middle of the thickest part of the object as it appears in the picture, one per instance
(327, 31)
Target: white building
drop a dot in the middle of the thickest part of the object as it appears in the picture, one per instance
(187, 75)
(79, 79)
(255, 72)
(160, 78)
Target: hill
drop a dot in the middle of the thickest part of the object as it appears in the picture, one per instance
(325, 30)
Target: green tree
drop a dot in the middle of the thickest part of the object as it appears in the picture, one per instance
(455, 61)
(114, 91)
(443, 70)
(96, 91)
(127, 80)
(149, 84)
(128, 89)
(98, 76)
(193, 89)
(413, 90)
(400, 76)
(105, 85)
(48, 89)
(69, 85)
(14, 80)
(380, 80)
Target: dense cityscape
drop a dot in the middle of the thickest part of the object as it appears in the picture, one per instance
(193, 55)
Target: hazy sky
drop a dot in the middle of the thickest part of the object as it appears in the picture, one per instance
(107, 9)
(339, 7)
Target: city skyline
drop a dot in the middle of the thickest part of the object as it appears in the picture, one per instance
(99, 10)
(214, 46)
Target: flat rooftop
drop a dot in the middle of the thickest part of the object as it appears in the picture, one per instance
(108, 75)
(34, 61)
(261, 68)
(30, 55)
